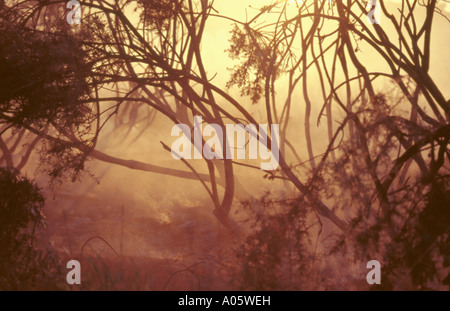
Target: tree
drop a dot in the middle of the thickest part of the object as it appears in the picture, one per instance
(379, 142)
(21, 265)
(175, 69)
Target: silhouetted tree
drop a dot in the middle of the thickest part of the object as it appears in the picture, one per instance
(384, 168)
(22, 266)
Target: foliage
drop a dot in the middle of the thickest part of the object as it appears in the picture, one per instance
(253, 51)
(22, 266)
(276, 252)
(158, 13)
